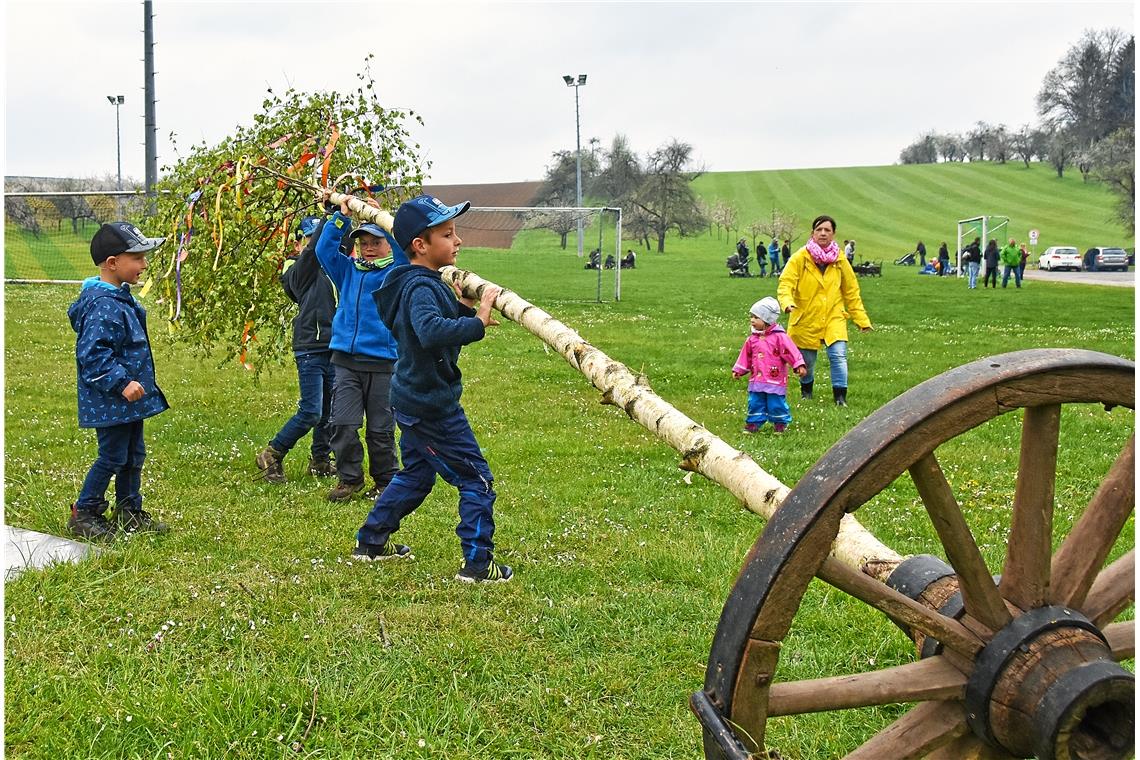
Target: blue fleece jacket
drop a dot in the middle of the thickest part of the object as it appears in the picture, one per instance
(431, 326)
(356, 327)
(112, 348)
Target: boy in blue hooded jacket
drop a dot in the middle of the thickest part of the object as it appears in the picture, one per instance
(116, 382)
(363, 353)
(431, 326)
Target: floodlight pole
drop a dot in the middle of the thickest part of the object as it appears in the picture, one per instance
(576, 83)
(116, 101)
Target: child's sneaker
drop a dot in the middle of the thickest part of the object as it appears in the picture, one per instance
(344, 491)
(269, 462)
(751, 427)
(374, 552)
(492, 573)
(138, 521)
(322, 468)
(779, 427)
(87, 524)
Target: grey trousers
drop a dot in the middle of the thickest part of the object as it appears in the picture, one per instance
(361, 397)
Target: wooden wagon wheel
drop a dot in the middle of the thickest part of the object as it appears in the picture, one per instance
(1015, 665)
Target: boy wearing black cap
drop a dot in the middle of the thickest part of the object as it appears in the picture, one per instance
(431, 326)
(363, 353)
(116, 382)
(315, 295)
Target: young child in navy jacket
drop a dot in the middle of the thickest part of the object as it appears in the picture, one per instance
(430, 327)
(116, 382)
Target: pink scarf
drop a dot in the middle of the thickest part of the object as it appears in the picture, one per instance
(827, 255)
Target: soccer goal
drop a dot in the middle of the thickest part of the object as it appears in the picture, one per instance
(983, 228)
(548, 236)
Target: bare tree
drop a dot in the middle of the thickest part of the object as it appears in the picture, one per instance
(1077, 93)
(1115, 165)
(621, 172)
(1061, 149)
(924, 150)
(778, 225)
(950, 147)
(666, 195)
(560, 189)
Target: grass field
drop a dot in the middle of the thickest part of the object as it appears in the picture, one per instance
(212, 641)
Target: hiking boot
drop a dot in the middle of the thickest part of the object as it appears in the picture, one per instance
(492, 573)
(138, 521)
(377, 488)
(322, 468)
(89, 524)
(269, 462)
(806, 389)
(779, 427)
(344, 491)
(377, 552)
(751, 427)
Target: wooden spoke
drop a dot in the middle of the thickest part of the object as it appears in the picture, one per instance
(1025, 579)
(1121, 639)
(980, 595)
(899, 607)
(1112, 590)
(922, 730)
(922, 681)
(969, 747)
(1082, 554)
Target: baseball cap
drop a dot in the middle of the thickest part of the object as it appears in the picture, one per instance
(369, 228)
(421, 212)
(307, 226)
(114, 238)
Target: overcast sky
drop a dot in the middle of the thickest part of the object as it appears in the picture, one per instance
(749, 85)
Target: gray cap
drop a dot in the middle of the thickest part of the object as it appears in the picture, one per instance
(767, 309)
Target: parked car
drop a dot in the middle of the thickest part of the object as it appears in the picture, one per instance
(1104, 258)
(1060, 257)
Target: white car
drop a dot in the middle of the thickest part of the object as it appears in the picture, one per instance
(1060, 257)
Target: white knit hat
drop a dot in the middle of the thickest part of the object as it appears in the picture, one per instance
(767, 309)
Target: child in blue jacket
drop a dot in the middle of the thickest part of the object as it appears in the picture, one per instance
(435, 436)
(116, 382)
(363, 354)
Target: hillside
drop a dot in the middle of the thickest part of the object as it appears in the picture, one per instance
(887, 209)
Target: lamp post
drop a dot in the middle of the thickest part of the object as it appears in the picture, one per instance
(576, 83)
(116, 101)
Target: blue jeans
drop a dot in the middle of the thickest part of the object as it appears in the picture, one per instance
(445, 447)
(767, 407)
(972, 272)
(315, 376)
(1005, 276)
(775, 264)
(121, 455)
(836, 357)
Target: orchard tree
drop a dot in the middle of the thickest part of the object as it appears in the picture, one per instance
(1114, 160)
(924, 150)
(560, 188)
(229, 210)
(621, 173)
(1078, 93)
(666, 195)
(1061, 148)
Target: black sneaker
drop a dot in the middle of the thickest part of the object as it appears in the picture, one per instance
(88, 524)
(492, 573)
(374, 552)
(322, 468)
(138, 521)
(269, 462)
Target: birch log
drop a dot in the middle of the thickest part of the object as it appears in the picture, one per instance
(700, 450)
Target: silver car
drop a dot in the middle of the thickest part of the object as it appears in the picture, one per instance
(1104, 258)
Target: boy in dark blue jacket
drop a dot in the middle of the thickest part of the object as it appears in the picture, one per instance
(363, 353)
(116, 382)
(431, 326)
(316, 299)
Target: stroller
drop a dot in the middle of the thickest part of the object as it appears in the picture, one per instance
(737, 266)
(907, 260)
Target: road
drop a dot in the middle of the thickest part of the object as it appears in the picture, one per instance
(1116, 279)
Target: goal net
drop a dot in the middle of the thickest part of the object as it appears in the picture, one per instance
(983, 228)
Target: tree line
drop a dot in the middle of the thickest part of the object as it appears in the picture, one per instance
(1087, 105)
(37, 214)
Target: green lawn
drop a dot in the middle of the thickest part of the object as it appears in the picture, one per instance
(210, 641)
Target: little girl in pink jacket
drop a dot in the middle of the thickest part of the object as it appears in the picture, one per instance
(765, 358)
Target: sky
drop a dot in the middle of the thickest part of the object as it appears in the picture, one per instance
(749, 85)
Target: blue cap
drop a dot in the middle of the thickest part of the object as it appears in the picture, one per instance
(421, 212)
(370, 228)
(307, 226)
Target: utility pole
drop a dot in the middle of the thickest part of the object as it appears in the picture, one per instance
(151, 125)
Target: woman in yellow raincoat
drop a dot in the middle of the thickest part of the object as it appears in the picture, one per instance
(819, 291)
